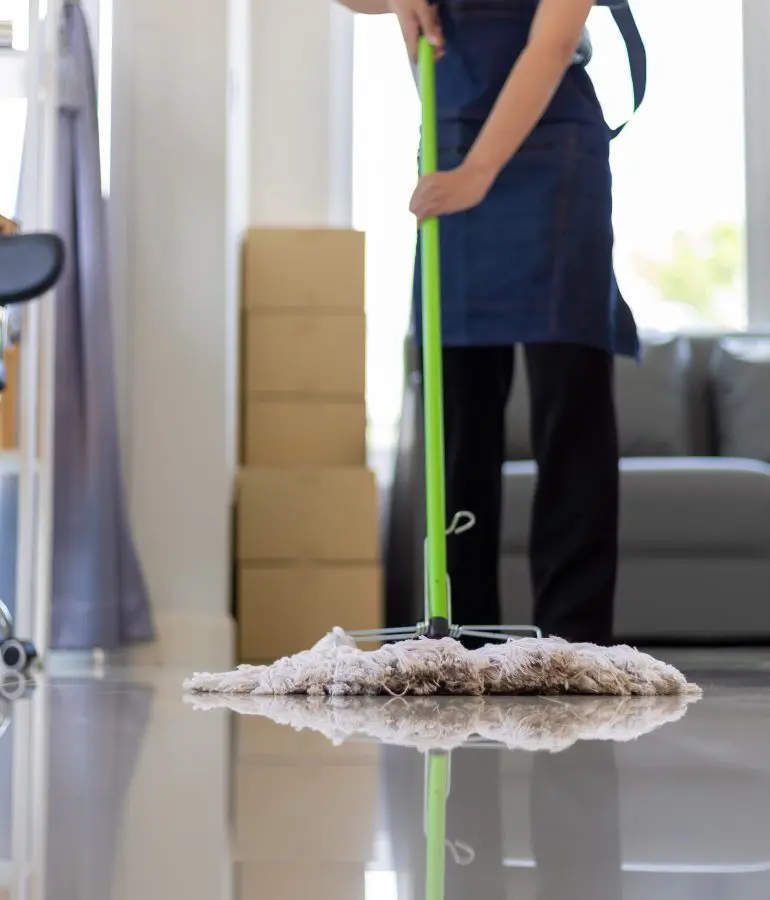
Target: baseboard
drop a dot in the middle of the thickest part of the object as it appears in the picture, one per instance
(194, 642)
(185, 642)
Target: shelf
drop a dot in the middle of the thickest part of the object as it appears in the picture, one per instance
(13, 81)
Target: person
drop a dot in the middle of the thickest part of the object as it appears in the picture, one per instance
(524, 197)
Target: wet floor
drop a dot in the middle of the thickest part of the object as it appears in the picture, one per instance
(115, 788)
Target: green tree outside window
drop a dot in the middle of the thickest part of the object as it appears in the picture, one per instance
(704, 271)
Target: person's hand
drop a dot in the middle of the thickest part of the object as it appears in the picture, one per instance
(418, 17)
(444, 193)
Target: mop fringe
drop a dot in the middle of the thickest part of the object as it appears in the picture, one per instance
(551, 724)
(336, 666)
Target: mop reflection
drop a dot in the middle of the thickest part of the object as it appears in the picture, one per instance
(574, 827)
(573, 804)
(451, 819)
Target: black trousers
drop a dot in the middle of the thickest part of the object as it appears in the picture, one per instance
(573, 543)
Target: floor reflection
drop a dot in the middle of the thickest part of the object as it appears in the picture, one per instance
(475, 853)
(115, 788)
(573, 816)
(95, 737)
(575, 823)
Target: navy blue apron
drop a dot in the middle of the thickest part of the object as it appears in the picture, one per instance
(533, 261)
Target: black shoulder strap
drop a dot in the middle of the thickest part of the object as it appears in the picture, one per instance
(637, 55)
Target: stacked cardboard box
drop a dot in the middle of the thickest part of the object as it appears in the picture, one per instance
(304, 348)
(307, 519)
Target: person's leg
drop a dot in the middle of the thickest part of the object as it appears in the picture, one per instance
(477, 382)
(574, 538)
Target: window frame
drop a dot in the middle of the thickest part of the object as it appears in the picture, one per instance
(756, 64)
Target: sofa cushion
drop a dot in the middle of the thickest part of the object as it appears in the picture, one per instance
(652, 399)
(653, 402)
(669, 507)
(740, 371)
(517, 431)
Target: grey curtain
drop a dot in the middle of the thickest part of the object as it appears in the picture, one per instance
(99, 594)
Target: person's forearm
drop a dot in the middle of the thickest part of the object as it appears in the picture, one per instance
(520, 106)
(367, 7)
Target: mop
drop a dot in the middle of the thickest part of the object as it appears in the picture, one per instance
(429, 658)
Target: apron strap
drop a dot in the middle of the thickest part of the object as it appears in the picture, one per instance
(637, 56)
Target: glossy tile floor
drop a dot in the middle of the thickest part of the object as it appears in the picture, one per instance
(115, 788)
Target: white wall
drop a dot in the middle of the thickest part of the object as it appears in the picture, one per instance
(172, 265)
(224, 112)
(302, 111)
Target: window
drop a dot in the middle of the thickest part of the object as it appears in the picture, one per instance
(13, 107)
(679, 169)
(386, 122)
(17, 13)
(13, 115)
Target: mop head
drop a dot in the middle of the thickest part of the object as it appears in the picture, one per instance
(445, 723)
(336, 666)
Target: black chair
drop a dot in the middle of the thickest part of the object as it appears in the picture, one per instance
(30, 265)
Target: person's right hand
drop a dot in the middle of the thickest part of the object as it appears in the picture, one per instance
(418, 17)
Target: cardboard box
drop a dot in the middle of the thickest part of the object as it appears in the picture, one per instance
(305, 353)
(301, 431)
(293, 881)
(304, 269)
(7, 226)
(285, 609)
(259, 739)
(313, 514)
(9, 401)
(308, 813)
(301, 881)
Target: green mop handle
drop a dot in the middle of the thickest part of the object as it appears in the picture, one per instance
(436, 580)
(436, 794)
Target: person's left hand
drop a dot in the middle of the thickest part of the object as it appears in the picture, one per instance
(444, 193)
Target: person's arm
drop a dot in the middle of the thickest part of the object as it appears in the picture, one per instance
(554, 37)
(416, 17)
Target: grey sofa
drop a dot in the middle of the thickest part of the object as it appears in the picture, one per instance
(694, 423)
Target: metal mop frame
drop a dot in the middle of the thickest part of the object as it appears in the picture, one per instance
(438, 594)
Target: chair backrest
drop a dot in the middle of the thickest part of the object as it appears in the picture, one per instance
(30, 265)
